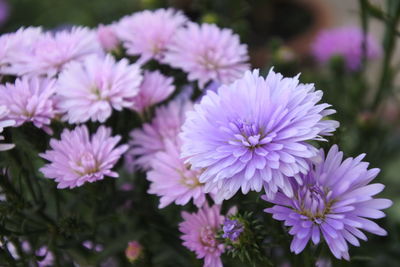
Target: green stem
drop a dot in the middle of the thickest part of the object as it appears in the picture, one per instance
(389, 44)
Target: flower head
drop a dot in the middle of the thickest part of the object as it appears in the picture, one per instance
(346, 42)
(4, 122)
(199, 234)
(252, 134)
(154, 89)
(208, 53)
(148, 33)
(335, 201)
(133, 251)
(78, 158)
(48, 257)
(173, 180)
(232, 229)
(150, 139)
(92, 89)
(50, 53)
(107, 37)
(29, 100)
(12, 45)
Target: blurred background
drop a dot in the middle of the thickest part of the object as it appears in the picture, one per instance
(280, 33)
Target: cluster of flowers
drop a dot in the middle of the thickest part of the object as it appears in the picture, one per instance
(246, 133)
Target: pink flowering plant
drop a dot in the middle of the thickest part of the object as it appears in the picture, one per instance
(153, 141)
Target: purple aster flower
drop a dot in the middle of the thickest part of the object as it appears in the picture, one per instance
(150, 139)
(29, 100)
(208, 53)
(4, 122)
(92, 89)
(50, 53)
(79, 158)
(335, 201)
(14, 44)
(346, 42)
(154, 89)
(107, 37)
(199, 234)
(232, 229)
(148, 33)
(252, 134)
(173, 180)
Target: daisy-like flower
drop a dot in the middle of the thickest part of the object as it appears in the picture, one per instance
(346, 42)
(79, 158)
(4, 122)
(173, 180)
(107, 37)
(52, 51)
(199, 234)
(14, 44)
(92, 89)
(150, 139)
(148, 33)
(252, 134)
(335, 201)
(154, 89)
(29, 100)
(208, 53)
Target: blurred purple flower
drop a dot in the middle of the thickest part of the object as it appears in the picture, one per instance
(345, 42)
(334, 201)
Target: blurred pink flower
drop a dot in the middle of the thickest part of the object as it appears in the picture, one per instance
(12, 45)
(173, 180)
(208, 53)
(29, 100)
(78, 158)
(199, 234)
(150, 139)
(50, 53)
(107, 37)
(345, 42)
(148, 33)
(92, 89)
(154, 89)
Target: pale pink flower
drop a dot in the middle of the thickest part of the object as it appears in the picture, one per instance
(107, 37)
(173, 180)
(154, 89)
(92, 89)
(148, 33)
(150, 139)
(199, 234)
(79, 158)
(29, 100)
(52, 51)
(208, 53)
(14, 44)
